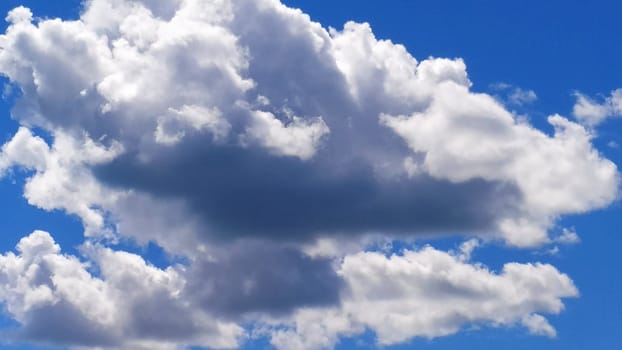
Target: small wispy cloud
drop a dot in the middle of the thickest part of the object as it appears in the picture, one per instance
(567, 237)
(514, 95)
(591, 112)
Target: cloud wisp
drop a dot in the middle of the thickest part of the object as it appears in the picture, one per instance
(592, 112)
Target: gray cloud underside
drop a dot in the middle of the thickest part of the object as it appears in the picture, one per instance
(242, 193)
(258, 277)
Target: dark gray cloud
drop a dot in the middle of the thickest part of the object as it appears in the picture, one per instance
(156, 317)
(63, 324)
(245, 193)
(262, 277)
(128, 304)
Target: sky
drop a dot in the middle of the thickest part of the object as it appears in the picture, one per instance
(236, 174)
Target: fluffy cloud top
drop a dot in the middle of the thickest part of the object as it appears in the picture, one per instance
(239, 133)
(131, 305)
(238, 109)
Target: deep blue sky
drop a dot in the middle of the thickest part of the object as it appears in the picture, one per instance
(552, 47)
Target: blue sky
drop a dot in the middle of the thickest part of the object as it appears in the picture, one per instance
(554, 49)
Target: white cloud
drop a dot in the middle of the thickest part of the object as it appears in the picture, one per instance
(591, 112)
(429, 293)
(462, 136)
(466, 136)
(131, 304)
(171, 127)
(298, 138)
(24, 149)
(231, 126)
(538, 325)
(19, 14)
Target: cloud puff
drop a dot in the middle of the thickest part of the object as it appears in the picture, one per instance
(237, 134)
(591, 112)
(129, 305)
(61, 177)
(479, 139)
(429, 293)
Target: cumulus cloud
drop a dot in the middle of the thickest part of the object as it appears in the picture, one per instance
(129, 305)
(115, 299)
(250, 141)
(202, 107)
(477, 138)
(300, 138)
(429, 293)
(61, 177)
(592, 112)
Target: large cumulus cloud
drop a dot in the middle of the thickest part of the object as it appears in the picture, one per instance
(264, 124)
(429, 293)
(249, 140)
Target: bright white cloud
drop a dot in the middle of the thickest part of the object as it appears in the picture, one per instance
(61, 177)
(466, 136)
(131, 304)
(202, 72)
(429, 293)
(462, 136)
(170, 129)
(19, 14)
(298, 138)
(24, 149)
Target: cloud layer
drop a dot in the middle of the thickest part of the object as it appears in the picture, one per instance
(267, 151)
